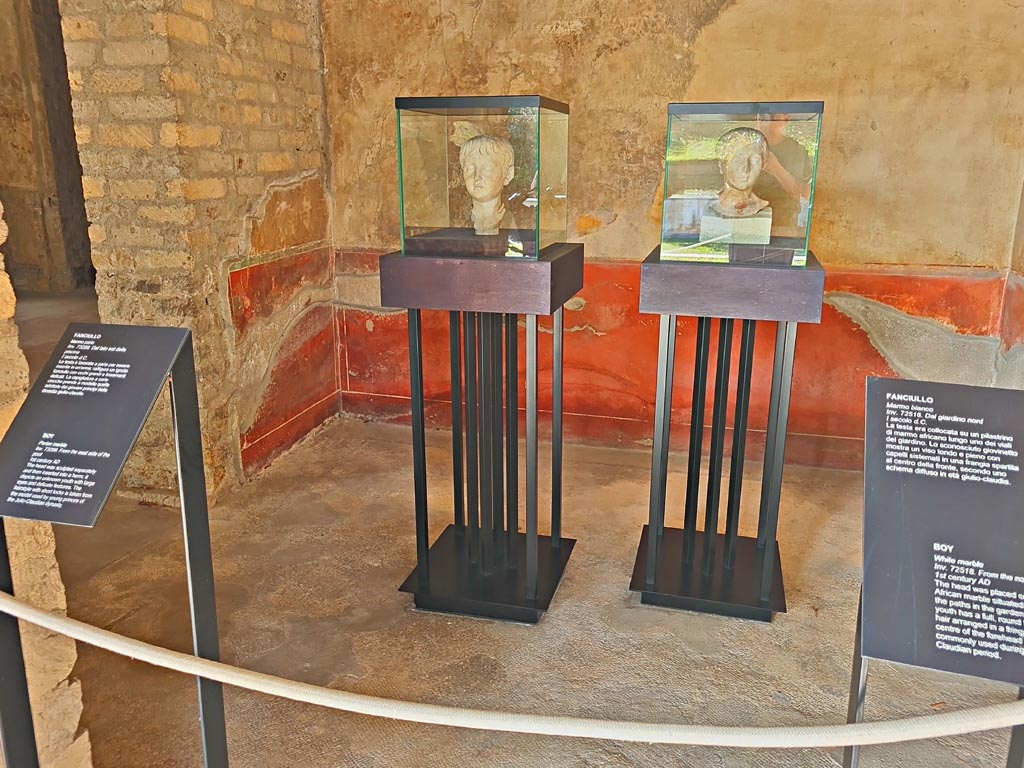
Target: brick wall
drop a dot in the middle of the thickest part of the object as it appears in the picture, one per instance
(189, 113)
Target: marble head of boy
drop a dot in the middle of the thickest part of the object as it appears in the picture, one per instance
(488, 164)
(742, 154)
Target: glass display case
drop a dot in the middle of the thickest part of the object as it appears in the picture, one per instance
(739, 182)
(482, 175)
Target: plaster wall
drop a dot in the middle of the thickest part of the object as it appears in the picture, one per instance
(922, 159)
(922, 154)
(1017, 259)
(203, 127)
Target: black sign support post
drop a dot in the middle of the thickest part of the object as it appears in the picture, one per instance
(59, 462)
(1016, 756)
(188, 445)
(858, 690)
(943, 531)
(17, 734)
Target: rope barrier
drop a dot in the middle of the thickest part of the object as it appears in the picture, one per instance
(776, 737)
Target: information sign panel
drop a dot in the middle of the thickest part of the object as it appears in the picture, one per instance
(67, 446)
(944, 528)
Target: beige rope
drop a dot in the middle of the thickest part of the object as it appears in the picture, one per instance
(802, 737)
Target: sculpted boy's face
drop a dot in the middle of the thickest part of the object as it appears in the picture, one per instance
(485, 176)
(743, 166)
(488, 164)
(742, 153)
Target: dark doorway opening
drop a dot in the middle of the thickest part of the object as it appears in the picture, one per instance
(47, 254)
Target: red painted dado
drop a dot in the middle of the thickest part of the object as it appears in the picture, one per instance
(257, 291)
(611, 358)
(303, 389)
(356, 359)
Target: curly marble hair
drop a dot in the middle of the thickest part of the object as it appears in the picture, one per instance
(730, 141)
(488, 146)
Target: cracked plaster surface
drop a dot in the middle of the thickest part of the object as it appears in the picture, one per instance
(922, 349)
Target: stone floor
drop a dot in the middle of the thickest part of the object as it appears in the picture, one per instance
(43, 317)
(308, 558)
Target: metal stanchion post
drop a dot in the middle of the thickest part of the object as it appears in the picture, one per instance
(458, 479)
(17, 734)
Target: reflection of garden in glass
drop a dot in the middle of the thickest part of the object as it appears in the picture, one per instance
(690, 142)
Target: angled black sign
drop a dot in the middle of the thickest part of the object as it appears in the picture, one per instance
(69, 442)
(944, 528)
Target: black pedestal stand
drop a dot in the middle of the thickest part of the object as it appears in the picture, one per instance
(482, 564)
(706, 570)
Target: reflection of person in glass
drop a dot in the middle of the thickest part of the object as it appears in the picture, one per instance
(785, 181)
(487, 166)
(742, 153)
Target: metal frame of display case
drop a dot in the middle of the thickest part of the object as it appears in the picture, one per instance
(703, 569)
(482, 564)
(476, 103)
(746, 253)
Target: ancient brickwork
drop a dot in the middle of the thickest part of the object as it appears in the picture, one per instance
(118, 65)
(187, 111)
(250, 134)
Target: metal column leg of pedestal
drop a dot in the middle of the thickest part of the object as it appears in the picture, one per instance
(188, 445)
(458, 480)
(497, 427)
(716, 462)
(512, 432)
(739, 440)
(781, 388)
(700, 388)
(858, 692)
(662, 432)
(773, 418)
(558, 332)
(486, 339)
(472, 466)
(419, 447)
(531, 457)
(17, 734)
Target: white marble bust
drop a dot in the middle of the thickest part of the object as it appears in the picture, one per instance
(488, 164)
(742, 153)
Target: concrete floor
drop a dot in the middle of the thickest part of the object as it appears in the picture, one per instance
(308, 559)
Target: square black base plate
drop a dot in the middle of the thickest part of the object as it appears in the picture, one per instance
(458, 581)
(726, 591)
